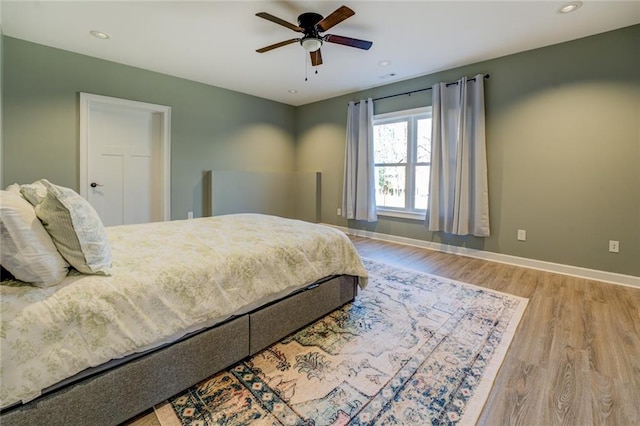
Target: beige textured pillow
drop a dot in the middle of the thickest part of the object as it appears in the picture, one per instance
(76, 229)
(26, 249)
(34, 192)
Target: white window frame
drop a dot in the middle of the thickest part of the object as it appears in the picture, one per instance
(411, 116)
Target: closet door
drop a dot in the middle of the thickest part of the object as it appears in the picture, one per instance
(125, 155)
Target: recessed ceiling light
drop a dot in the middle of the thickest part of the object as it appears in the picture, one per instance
(384, 63)
(99, 34)
(293, 91)
(570, 7)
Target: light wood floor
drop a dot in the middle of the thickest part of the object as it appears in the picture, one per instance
(575, 358)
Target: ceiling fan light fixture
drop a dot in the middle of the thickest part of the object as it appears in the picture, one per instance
(311, 44)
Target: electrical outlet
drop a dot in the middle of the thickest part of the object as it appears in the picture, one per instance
(189, 215)
(614, 246)
(522, 235)
(339, 211)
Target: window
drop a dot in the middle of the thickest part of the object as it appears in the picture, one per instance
(402, 155)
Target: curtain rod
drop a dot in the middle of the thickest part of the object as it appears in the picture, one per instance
(416, 91)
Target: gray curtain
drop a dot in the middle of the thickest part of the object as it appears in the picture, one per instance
(359, 192)
(458, 192)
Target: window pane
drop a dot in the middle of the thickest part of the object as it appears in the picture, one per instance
(424, 140)
(422, 187)
(390, 143)
(390, 186)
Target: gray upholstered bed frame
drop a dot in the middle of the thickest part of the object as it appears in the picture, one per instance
(117, 394)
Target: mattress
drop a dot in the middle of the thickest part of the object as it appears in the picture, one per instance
(169, 279)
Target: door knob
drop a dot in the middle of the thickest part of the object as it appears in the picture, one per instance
(93, 184)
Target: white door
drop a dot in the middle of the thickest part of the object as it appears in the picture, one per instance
(124, 148)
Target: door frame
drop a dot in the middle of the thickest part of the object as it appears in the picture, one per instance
(87, 101)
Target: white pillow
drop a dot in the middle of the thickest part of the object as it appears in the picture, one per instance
(15, 188)
(27, 250)
(76, 229)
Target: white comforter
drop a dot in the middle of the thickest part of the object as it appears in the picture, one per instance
(169, 278)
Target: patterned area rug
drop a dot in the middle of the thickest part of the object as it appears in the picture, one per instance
(413, 349)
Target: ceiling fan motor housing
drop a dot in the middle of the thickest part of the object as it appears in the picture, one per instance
(308, 21)
(312, 40)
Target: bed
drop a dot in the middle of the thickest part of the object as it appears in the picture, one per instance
(184, 300)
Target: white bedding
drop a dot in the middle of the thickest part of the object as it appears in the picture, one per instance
(169, 278)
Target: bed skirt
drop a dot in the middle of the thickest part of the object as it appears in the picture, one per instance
(114, 395)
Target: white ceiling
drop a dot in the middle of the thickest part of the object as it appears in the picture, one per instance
(214, 42)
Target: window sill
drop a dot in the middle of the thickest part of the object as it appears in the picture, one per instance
(403, 215)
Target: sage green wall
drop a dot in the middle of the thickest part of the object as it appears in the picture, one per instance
(211, 128)
(563, 136)
(563, 146)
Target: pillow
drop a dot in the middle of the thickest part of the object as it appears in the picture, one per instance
(34, 192)
(27, 250)
(15, 188)
(76, 229)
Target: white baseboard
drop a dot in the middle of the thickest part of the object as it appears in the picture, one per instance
(576, 271)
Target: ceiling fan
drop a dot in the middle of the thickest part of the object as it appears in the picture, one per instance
(311, 25)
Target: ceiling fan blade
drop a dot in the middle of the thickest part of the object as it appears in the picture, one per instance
(348, 41)
(338, 15)
(269, 17)
(275, 46)
(316, 58)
